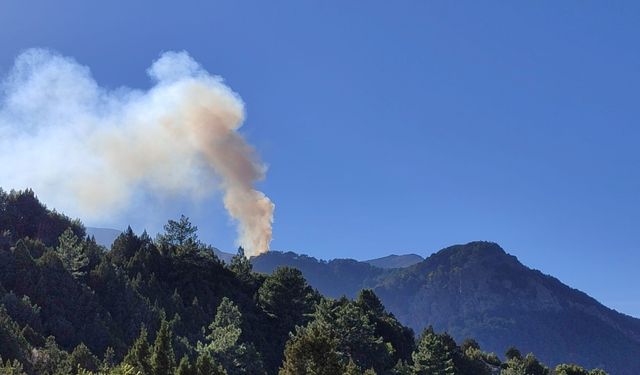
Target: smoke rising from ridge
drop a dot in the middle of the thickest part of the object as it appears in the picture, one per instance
(67, 137)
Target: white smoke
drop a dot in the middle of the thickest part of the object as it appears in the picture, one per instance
(87, 150)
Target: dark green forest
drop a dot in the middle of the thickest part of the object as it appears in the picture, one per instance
(168, 305)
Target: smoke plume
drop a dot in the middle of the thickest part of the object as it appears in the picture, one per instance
(88, 150)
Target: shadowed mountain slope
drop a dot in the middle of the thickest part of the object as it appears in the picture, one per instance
(395, 261)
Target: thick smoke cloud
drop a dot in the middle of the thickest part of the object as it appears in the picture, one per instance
(88, 150)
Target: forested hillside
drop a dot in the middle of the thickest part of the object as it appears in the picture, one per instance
(478, 290)
(168, 305)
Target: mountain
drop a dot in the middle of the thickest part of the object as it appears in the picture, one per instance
(103, 236)
(395, 261)
(478, 290)
(334, 278)
(225, 257)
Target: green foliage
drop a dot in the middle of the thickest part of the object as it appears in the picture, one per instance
(513, 353)
(51, 360)
(123, 369)
(12, 344)
(223, 342)
(57, 284)
(356, 333)
(139, 355)
(288, 301)
(312, 350)
(71, 253)
(179, 233)
(82, 358)
(22, 215)
(529, 365)
(180, 238)
(573, 369)
(225, 330)
(387, 326)
(162, 356)
(433, 356)
(241, 266)
(206, 365)
(184, 367)
(286, 296)
(11, 367)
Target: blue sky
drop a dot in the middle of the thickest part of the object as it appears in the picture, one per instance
(405, 126)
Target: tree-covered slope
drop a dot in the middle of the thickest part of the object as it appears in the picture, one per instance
(168, 306)
(478, 290)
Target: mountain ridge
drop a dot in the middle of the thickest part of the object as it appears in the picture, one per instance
(479, 290)
(395, 261)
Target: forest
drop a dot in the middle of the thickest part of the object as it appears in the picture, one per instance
(168, 305)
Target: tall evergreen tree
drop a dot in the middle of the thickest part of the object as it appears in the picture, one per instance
(163, 361)
(179, 233)
(71, 253)
(224, 342)
(312, 350)
(82, 358)
(206, 365)
(432, 355)
(139, 354)
(184, 367)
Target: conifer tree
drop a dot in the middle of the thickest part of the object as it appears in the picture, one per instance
(82, 358)
(432, 356)
(71, 253)
(224, 342)
(184, 367)
(312, 350)
(163, 360)
(206, 365)
(139, 355)
(240, 264)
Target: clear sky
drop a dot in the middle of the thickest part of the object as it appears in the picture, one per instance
(405, 126)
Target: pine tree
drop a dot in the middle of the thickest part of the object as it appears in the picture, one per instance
(82, 358)
(206, 365)
(181, 234)
(224, 342)
(138, 356)
(352, 369)
(163, 360)
(184, 367)
(11, 367)
(225, 328)
(71, 253)
(240, 264)
(312, 350)
(109, 359)
(432, 356)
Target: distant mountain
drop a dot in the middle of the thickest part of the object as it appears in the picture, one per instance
(334, 279)
(104, 236)
(396, 261)
(225, 257)
(478, 290)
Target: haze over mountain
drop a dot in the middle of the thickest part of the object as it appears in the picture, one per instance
(478, 290)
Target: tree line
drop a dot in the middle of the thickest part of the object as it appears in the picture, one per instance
(168, 305)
